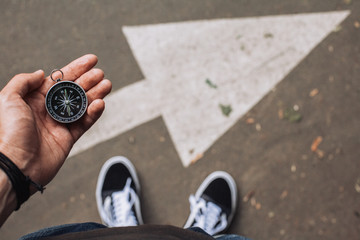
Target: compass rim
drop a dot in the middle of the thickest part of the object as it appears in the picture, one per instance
(61, 119)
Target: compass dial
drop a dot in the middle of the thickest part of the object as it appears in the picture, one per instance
(66, 102)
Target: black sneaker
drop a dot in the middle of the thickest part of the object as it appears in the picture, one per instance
(214, 204)
(117, 193)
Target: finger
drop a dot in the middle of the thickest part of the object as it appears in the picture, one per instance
(93, 113)
(99, 91)
(79, 66)
(90, 78)
(72, 71)
(24, 83)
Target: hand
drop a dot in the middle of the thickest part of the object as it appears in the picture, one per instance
(35, 142)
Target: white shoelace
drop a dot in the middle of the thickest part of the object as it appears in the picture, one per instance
(207, 216)
(118, 207)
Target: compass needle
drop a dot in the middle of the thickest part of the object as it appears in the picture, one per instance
(68, 110)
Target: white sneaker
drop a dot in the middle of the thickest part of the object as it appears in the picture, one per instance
(117, 193)
(214, 204)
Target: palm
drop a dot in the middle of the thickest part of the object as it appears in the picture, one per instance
(54, 139)
(35, 136)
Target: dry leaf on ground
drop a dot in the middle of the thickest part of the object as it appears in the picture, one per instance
(314, 92)
(248, 196)
(250, 121)
(316, 143)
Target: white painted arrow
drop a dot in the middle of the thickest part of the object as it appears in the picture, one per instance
(245, 58)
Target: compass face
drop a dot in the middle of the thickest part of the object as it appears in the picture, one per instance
(66, 102)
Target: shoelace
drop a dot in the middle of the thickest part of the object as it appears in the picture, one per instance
(207, 215)
(119, 205)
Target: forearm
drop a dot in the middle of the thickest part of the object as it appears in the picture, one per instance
(7, 197)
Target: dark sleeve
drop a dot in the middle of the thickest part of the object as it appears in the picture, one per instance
(148, 232)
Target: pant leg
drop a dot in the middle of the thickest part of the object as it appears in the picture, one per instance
(80, 227)
(230, 237)
(219, 237)
(62, 229)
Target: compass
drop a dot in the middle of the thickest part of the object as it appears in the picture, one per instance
(66, 101)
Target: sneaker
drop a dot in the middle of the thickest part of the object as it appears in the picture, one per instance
(117, 194)
(214, 204)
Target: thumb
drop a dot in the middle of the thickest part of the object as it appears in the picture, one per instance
(24, 83)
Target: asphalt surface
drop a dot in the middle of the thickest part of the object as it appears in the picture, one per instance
(295, 193)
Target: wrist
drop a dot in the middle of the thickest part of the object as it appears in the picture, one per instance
(19, 157)
(8, 199)
(20, 182)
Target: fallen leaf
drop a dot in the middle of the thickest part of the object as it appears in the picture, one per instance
(320, 153)
(296, 107)
(258, 206)
(268, 35)
(312, 222)
(357, 185)
(337, 28)
(314, 92)
(225, 109)
(324, 219)
(281, 114)
(316, 143)
(210, 84)
(248, 196)
(250, 121)
(253, 202)
(131, 140)
(338, 150)
(292, 116)
(357, 24)
(197, 158)
(283, 195)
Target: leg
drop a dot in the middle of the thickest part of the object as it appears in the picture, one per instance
(231, 237)
(62, 229)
